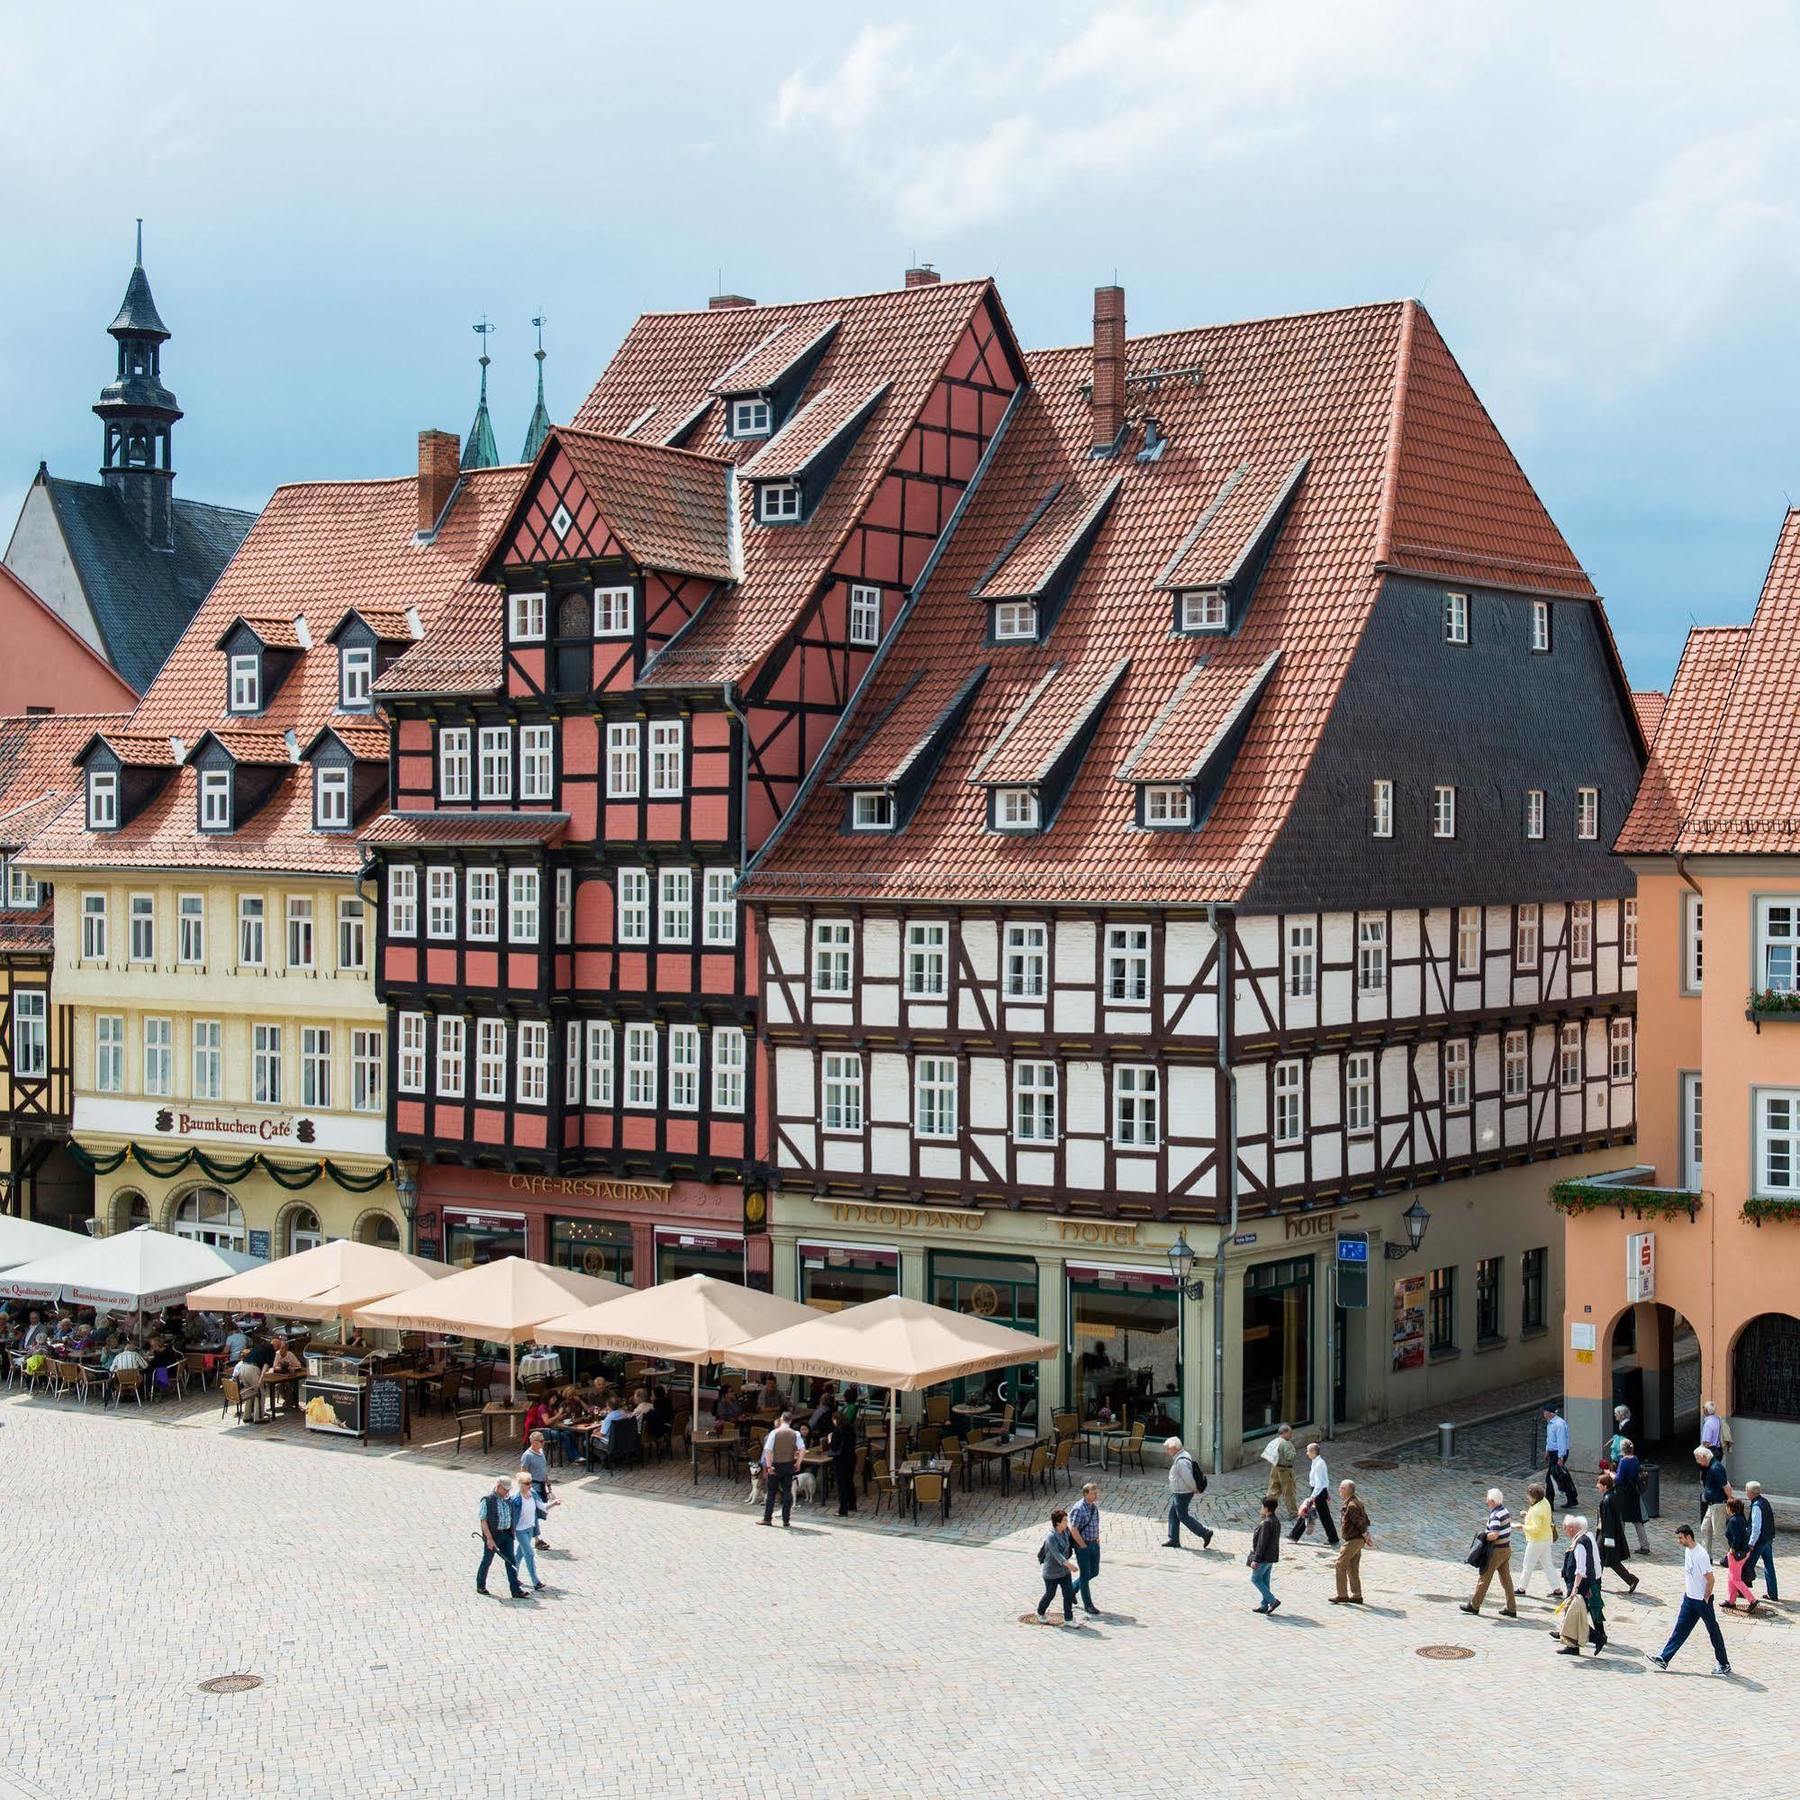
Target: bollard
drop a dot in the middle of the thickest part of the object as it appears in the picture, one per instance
(1446, 1440)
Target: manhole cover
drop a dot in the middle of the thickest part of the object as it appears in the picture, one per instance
(1376, 1462)
(1444, 1652)
(230, 1684)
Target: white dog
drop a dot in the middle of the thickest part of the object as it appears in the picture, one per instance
(806, 1485)
(758, 1484)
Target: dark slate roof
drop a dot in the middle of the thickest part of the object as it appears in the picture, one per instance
(137, 311)
(142, 599)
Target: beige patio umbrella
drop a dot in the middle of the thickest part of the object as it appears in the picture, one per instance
(694, 1320)
(894, 1343)
(325, 1282)
(501, 1302)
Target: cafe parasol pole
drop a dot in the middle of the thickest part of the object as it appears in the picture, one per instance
(893, 1429)
(694, 1429)
(512, 1373)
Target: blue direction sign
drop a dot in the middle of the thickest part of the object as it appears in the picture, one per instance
(1353, 1249)
(1353, 1269)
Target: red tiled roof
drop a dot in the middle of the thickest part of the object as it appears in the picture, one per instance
(895, 738)
(367, 741)
(814, 429)
(1215, 551)
(37, 767)
(1045, 722)
(136, 749)
(670, 508)
(1648, 704)
(772, 356)
(276, 631)
(1049, 539)
(249, 745)
(391, 624)
(448, 829)
(1203, 707)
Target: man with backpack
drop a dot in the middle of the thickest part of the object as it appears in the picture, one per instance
(494, 1521)
(1187, 1482)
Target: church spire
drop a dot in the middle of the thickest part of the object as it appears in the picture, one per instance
(139, 413)
(479, 451)
(539, 428)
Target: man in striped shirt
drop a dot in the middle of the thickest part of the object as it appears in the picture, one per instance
(1498, 1561)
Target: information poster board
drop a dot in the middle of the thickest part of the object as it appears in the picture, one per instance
(1409, 1322)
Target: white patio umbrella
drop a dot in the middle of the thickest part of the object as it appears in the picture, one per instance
(141, 1269)
(326, 1282)
(25, 1240)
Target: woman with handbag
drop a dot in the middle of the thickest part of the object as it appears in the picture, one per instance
(1613, 1552)
(1737, 1548)
(1628, 1480)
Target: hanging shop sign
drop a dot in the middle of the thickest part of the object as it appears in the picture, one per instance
(244, 1128)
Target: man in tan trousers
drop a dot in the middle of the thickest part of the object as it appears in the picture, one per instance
(1498, 1561)
(1278, 1453)
(1355, 1523)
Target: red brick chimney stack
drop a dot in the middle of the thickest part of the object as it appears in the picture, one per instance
(922, 275)
(722, 302)
(438, 453)
(1109, 366)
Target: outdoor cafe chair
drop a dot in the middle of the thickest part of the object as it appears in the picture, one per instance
(884, 1483)
(1038, 1468)
(128, 1381)
(1064, 1424)
(469, 1421)
(231, 1395)
(929, 1488)
(929, 1438)
(1059, 1463)
(194, 1364)
(937, 1409)
(1133, 1446)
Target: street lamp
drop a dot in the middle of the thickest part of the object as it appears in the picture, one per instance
(1181, 1266)
(407, 1187)
(1415, 1219)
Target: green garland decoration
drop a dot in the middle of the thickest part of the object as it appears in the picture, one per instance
(164, 1165)
(97, 1165)
(1585, 1196)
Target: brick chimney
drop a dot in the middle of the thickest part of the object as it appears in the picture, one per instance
(1109, 367)
(922, 275)
(438, 452)
(722, 302)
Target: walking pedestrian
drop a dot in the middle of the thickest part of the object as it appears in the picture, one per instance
(1715, 1490)
(1737, 1551)
(843, 1461)
(1614, 1554)
(1348, 1567)
(1317, 1504)
(1616, 1444)
(1278, 1453)
(1497, 1534)
(1559, 1482)
(1265, 1553)
(1539, 1531)
(525, 1516)
(1084, 1531)
(1628, 1484)
(780, 1459)
(1581, 1578)
(532, 1461)
(494, 1522)
(1712, 1430)
(1056, 1562)
(1696, 1604)
(1762, 1539)
(1187, 1482)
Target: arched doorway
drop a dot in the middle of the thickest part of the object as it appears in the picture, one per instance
(378, 1228)
(1764, 1403)
(209, 1215)
(299, 1230)
(127, 1210)
(1654, 1358)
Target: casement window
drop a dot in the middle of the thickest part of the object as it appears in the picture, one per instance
(440, 902)
(402, 900)
(1137, 1107)
(865, 615)
(525, 614)
(481, 902)
(315, 1066)
(109, 1053)
(1621, 1060)
(1691, 1139)
(209, 1059)
(534, 1062)
(496, 762)
(934, 1097)
(1587, 812)
(1468, 940)
(1581, 931)
(299, 931)
(93, 928)
(1456, 1075)
(634, 906)
(778, 502)
(537, 762)
(490, 1059)
(1204, 609)
(612, 611)
(623, 760)
(1693, 961)
(331, 799)
(1034, 1102)
(675, 906)
(599, 1062)
(1443, 812)
(1440, 1310)
(1628, 930)
(1540, 627)
(831, 959)
(1290, 1103)
(246, 683)
(215, 800)
(1302, 959)
(684, 1068)
(31, 1032)
(22, 890)
(926, 946)
(1777, 1117)
(720, 923)
(159, 1056)
(452, 1055)
(842, 1093)
(356, 674)
(453, 762)
(1534, 1268)
(751, 418)
(564, 921)
(1487, 1300)
(1534, 813)
(368, 1093)
(1381, 809)
(1528, 935)
(1027, 955)
(640, 1067)
(409, 1061)
(1777, 944)
(665, 758)
(1568, 1058)
(1456, 618)
(141, 937)
(871, 809)
(1128, 965)
(1359, 1093)
(572, 1064)
(251, 918)
(353, 934)
(1371, 956)
(265, 1064)
(1515, 1065)
(1168, 806)
(1016, 622)
(102, 800)
(730, 1065)
(525, 922)
(1016, 809)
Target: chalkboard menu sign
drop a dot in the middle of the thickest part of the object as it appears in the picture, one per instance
(385, 1412)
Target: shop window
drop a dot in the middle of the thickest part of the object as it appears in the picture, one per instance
(833, 1276)
(1003, 1289)
(1125, 1346)
(681, 1253)
(1277, 1358)
(474, 1238)
(1441, 1311)
(599, 1247)
(210, 1216)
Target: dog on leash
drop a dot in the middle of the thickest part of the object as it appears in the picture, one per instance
(806, 1485)
(758, 1484)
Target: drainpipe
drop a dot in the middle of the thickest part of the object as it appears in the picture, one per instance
(1229, 1165)
(1681, 870)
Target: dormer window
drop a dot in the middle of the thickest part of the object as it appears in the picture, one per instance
(778, 503)
(103, 800)
(865, 615)
(1016, 809)
(612, 612)
(1016, 622)
(1205, 609)
(246, 682)
(215, 800)
(356, 673)
(331, 799)
(752, 418)
(526, 617)
(871, 809)
(1168, 806)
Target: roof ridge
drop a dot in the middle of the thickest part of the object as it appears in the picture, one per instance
(701, 312)
(637, 443)
(1174, 331)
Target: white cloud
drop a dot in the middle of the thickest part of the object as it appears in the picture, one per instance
(846, 99)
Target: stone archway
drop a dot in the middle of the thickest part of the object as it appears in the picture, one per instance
(1764, 1402)
(1653, 1357)
(379, 1227)
(126, 1210)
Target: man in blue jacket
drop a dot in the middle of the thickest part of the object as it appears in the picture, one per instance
(1762, 1539)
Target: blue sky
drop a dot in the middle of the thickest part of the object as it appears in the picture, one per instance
(1601, 212)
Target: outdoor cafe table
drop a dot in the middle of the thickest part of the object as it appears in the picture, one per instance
(719, 1443)
(925, 1465)
(1004, 1450)
(1094, 1428)
(276, 1386)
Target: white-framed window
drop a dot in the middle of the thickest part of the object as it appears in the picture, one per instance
(534, 1062)
(1534, 813)
(599, 1062)
(640, 1067)
(623, 761)
(1168, 805)
(454, 762)
(93, 928)
(409, 1061)
(1581, 931)
(613, 608)
(315, 1066)
(684, 1068)
(730, 1066)
(102, 799)
(634, 906)
(865, 615)
(452, 1056)
(31, 1031)
(526, 617)
(1137, 1106)
(402, 900)
(1456, 1074)
(246, 683)
(1027, 959)
(1371, 956)
(1540, 626)
(1587, 812)
(21, 889)
(1443, 812)
(675, 906)
(368, 1093)
(1128, 965)
(481, 904)
(1515, 1065)
(831, 958)
(1034, 1102)
(778, 502)
(1381, 808)
(1468, 940)
(1302, 959)
(665, 758)
(496, 762)
(1777, 1143)
(252, 914)
(719, 926)
(572, 1064)
(1016, 622)
(1691, 1122)
(265, 1064)
(871, 809)
(1628, 930)
(215, 799)
(1693, 958)
(753, 417)
(537, 762)
(299, 931)
(842, 1093)
(1456, 618)
(524, 913)
(353, 933)
(356, 675)
(1621, 1060)
(440, 901)
(209, 1059)
(1290, 1103)
(159, 1056)
(934, 1096)
(1568, 1058)
(1016, 809)
(141, 938)
(1204, 609)
(565, 906)
(490, 1059)
(109, 1053)
(1359, 1093)
(331, 797)
(1777, 944)
(927, 944)
(1528, 935)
